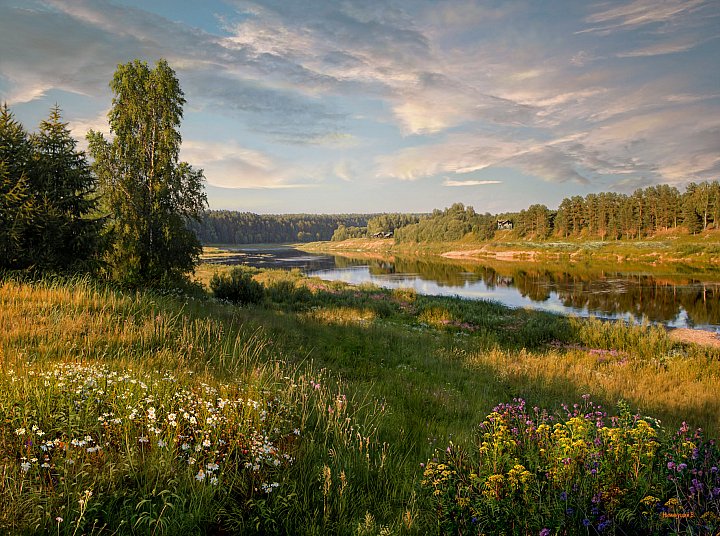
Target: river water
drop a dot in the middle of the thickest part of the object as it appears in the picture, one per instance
(686, 300)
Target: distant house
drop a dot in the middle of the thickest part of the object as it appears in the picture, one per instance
(504, 224)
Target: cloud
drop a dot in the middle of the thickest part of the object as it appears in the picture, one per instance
(671, 47)
(75, 46)
(465, 153)
(345, 170)
(640, 13)
(422, 89)
(449, 182)
(229, 165)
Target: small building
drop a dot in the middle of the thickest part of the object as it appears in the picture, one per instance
(504, 224)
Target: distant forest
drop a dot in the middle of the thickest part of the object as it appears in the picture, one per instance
(229, 227)
(604, 216)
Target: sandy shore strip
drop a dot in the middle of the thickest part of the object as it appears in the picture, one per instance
(695, 336)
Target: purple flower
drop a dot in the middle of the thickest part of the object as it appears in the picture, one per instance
(682, 467)
(586, 522)
(671, 466)
(545, 532)
(563, 496)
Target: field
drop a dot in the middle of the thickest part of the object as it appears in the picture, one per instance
(328, 409)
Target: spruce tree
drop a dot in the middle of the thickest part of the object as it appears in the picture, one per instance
(67, 236)
(16, 204)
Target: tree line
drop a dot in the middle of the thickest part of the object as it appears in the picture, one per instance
(616, 216)
(605, 216)
(120, 213)
(230, 227)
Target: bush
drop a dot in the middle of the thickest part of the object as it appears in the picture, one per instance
(238, 286)
(286, 292)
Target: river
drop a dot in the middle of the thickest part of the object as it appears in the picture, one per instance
(675, 300)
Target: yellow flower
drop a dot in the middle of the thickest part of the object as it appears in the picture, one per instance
(649, 501)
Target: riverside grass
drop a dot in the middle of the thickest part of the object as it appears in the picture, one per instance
(323, 402)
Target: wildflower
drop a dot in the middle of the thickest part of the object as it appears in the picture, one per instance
(20, 431)
(59, 519)
(25, 466)
(161, 443)
(200, 476)
(545, 532)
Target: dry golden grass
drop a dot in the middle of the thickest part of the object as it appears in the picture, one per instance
(668, 388)
(342, 315)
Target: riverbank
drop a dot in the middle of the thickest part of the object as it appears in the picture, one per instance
(676, 251)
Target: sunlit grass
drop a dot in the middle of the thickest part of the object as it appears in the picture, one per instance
(348, 389)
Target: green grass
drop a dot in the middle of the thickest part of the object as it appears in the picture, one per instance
(348, 389)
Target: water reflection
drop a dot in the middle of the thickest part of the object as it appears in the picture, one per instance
(674, 301)
(678, 301)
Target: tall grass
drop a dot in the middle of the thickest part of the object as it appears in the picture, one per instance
(313, 410)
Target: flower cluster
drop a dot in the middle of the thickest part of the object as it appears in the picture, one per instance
(78, 414)
(576, 471)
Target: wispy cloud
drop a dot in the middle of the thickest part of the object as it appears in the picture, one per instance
(449, 182)
(639, 13)
(229, 165)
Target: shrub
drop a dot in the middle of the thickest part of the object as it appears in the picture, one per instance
(238, 286)
(285, 291)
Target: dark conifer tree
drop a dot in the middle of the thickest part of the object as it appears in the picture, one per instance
(16, 204)
(66, 235)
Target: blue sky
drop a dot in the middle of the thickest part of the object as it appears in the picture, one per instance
(394, 105)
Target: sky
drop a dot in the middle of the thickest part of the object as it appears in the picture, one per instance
(337, 106)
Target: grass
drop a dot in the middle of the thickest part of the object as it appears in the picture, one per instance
(313, 410)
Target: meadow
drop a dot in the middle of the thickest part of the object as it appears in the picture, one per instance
(330, 409)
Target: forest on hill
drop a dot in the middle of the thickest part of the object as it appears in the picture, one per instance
(605, 216)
